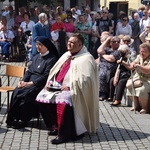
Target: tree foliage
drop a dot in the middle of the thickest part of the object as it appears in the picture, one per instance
(47, 2)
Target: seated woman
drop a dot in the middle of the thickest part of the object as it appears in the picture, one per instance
(69, 102)
(118, 82)
(126, 40)
(108, 64)
(142, 71)
(6, 39)
(22, 107)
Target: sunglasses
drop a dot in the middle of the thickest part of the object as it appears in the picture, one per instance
(115, 41)
(126, 41)
(105, 12)
(124, 19)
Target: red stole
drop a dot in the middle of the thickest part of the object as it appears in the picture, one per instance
(63, 71)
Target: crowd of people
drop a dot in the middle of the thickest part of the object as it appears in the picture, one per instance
(77, 58)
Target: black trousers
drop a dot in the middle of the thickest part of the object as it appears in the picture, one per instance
(119, 89)
(67, 126)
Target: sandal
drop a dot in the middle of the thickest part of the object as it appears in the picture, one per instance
(143, 111)
(115, 103)
(132, 109)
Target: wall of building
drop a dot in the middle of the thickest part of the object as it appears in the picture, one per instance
(6, 3)
(133, 4)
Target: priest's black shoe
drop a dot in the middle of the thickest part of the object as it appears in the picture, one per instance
(12, 124)
(78, 137)
(59, 140)
(53, 132)
(20, 125)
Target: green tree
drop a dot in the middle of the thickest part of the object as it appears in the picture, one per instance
(47, 2)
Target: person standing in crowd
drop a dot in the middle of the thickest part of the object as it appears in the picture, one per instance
(60, 12)
(83, 27)
(140, 11)
(144, 22)
(103, 24)
(124, 27)
(27, 24)
(78, 11)
(11, 21)
(144, 34)
(55, 30)
(69, 26)
(41, 28)
(93, 35)
(69, 101)
(136, 32)
(33, 17)
(22, 106)
(3, 22)
(37, 10)
(74, 14)
(18, 19)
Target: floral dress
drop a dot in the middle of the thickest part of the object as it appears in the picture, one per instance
(107, 71)
(84, 27)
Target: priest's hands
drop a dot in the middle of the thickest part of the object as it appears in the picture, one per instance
(65, 88)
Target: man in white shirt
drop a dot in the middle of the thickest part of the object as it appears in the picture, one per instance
(144, 22)
(6, 38)
(78, 11)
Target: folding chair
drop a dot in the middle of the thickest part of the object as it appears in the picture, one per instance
(11, 71)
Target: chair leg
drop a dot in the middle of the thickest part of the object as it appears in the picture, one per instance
(7, 102)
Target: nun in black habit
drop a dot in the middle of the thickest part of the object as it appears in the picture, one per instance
(22, 106)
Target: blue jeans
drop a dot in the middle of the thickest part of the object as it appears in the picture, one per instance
(5, 48)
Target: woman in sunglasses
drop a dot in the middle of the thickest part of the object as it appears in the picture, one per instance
(108, 56)
(127, 40)
(123, 27)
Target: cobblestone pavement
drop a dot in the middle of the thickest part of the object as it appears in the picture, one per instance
(119, 129)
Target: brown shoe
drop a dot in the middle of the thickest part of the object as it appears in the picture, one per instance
(143, 111)
(132, 109)
(116, 103)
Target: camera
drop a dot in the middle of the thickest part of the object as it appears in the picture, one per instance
(145, 2)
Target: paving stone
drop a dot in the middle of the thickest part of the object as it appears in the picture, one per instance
(119, 129)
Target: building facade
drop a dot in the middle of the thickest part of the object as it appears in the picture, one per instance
(93, 4)
(132, 4)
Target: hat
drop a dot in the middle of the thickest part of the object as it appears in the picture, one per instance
(147, 37)
(45, 41)
(54, 35)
